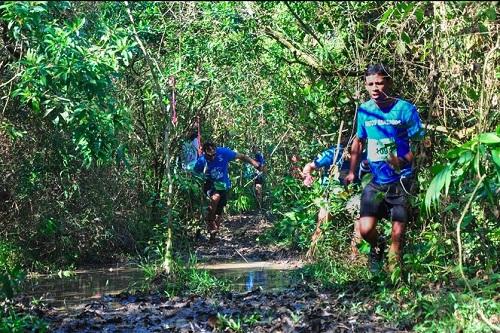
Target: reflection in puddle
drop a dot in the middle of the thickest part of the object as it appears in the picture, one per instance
(84, 287)
(266, 279)
(72, 293)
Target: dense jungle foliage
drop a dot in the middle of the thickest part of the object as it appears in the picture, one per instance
(97, 99)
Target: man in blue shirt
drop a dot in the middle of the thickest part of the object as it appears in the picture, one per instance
(214, 163)
(385, 124)
(323, 163)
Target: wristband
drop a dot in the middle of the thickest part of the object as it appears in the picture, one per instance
(365, 167)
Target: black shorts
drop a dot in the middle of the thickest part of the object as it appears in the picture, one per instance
(386, 200)
(210, 190)
(259, 179)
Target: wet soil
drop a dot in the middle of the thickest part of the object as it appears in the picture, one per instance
(297, 308)
(238, 240)
(301, 309)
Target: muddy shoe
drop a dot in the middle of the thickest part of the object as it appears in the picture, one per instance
(376, 256)
(375, 261)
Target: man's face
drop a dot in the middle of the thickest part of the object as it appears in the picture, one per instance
(210, 154)
(378, 87)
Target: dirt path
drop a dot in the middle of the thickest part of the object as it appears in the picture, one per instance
(238, 241)
(301, 309)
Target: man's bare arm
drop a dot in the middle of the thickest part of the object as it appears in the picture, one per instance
(248, 159)
(356, 149)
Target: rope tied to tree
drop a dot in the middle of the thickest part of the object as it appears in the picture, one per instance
(199, 134)
(174, 112)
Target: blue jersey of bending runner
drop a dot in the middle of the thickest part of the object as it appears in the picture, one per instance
(325, 160)
(388, 131)
(260, 158)
(249, 171)
(217, 169)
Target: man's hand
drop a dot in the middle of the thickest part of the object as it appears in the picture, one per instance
(349, 178)
(308, 180)
(393, 161)
(399, 163)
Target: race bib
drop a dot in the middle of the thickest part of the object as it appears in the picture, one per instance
(381, 149)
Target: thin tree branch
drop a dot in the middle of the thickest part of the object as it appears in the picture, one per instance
(304, 57)
(307, 58)
(303, 25)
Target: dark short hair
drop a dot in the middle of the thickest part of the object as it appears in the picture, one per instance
(207, 145)
(375, 69)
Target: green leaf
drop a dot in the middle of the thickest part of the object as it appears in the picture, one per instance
(491, 13)
(419, 14)
(465, 157)
(65, 115)
(467, 219)
(38, 9)
(35, 104)
(495, 153)
(437, 168)
(405, 37)
(451, 207)
(447, 182)
(441, 180)
(477, 160)
(483, 28)
(473, 94)
(388, 13)
(366, 179)
(489, 138)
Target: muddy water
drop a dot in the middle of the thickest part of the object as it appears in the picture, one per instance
(85, 286)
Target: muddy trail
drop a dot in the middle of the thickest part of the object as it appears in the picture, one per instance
(297, 308)
(238, 241)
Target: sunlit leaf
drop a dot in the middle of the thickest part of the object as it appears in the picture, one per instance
(386, 16)
(436, 186)
(495, 153)
(489, 138)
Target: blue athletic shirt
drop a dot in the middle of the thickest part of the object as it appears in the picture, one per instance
(218, 168)
(249, 171)
(388, 131)
(260, 158)
(325, 160)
